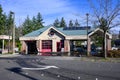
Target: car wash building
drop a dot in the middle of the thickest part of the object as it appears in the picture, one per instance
(52, 39)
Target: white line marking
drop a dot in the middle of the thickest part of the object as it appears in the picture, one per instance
(26, 73)
(43, 68)
(42, 74)
(96, 78)
(58, 75)
(78, 77)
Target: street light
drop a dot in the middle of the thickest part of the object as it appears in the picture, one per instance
(13, 15)
(87, 15)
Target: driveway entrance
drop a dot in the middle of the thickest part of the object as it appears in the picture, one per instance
(31, 47)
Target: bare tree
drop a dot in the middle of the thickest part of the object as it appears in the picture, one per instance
(107, 13)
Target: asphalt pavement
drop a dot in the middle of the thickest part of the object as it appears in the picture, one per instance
(31, 67)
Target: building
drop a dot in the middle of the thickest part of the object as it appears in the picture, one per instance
(52, 39)
(115, 36)
(3, 38)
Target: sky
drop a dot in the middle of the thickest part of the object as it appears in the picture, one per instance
(49, 9)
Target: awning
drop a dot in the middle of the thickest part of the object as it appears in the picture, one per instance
(5, 37)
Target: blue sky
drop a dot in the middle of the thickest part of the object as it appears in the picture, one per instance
(49, 9)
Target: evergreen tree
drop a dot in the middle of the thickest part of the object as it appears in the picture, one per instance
(1, 20)
(34, 23)
(39, 21)
(70, 23)
(27, 26)
(18, 32)
(56, 23)
(9, 22)
(76, 23)
(4, 24)
(62, 22)
(119, 35)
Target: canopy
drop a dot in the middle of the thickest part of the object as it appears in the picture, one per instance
(5, 37)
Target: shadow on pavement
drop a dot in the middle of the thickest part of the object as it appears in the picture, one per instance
(18, 70)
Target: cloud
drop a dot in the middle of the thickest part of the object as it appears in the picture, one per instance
(50, 9)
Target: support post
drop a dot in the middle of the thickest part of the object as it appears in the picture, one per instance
(2, 45)
(88, 46)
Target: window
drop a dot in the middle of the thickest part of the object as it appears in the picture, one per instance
(51, 33)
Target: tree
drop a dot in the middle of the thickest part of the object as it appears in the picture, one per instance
(2, 20)
(62, 22)
(9, 26)
(119, 35)
(10, 22)
(76, 23)
(56, 23)
(4, 24)
(39, 21)
(33, 24)
(107, 14)
(18, 32)
(27, 26)
(70, 23)
(34, 21)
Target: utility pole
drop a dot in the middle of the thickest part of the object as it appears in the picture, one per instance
(119, 34)
(13, 33)
(87, 15)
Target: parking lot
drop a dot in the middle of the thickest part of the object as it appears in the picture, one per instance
(31, 67)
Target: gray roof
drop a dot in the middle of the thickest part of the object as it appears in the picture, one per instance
(65, 32)
(72, 32)
(36, 32)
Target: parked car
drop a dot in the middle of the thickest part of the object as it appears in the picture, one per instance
(94, 52)
(78, 51)
(114, 48)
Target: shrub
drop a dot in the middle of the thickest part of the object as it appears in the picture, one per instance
(114, 53)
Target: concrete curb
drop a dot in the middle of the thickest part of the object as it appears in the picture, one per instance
(9, 55)
(62, 58)
(92, 59)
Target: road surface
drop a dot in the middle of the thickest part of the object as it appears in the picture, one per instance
(26, 67)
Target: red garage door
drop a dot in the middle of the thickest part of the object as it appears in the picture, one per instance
(46, 45)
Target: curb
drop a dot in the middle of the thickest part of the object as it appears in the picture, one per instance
(9, 55)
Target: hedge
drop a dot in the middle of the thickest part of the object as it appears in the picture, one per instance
(114, 53)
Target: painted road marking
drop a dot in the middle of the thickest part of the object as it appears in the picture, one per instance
(43, 68)
(78, 77)
(96, 78)
(58, 75)
(42, 74)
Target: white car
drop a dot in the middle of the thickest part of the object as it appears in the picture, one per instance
(114, 48)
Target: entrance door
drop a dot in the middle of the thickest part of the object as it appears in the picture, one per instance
(58, 46)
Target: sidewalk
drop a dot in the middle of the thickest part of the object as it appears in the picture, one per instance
(10, 55)
(83, 58)
(93, 59)
(100, 59)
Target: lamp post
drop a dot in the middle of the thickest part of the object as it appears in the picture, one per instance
(13, 15)
(87, 15)
(119, 34)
